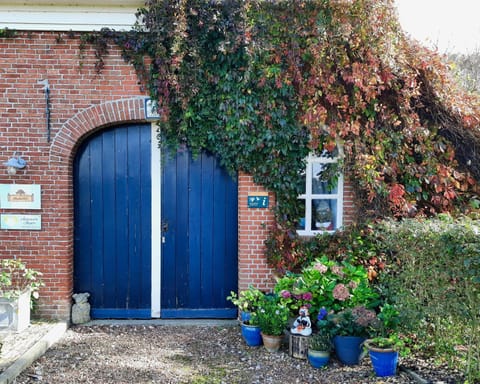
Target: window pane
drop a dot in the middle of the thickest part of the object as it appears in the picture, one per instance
(301, 221)
(324, 213)
(320, 184)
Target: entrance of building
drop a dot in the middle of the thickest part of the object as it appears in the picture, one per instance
(151, 240)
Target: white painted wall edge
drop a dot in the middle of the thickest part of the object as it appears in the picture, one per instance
(156, 171)
(50, 18)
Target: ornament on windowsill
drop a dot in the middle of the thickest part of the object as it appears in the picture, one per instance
(322, 215)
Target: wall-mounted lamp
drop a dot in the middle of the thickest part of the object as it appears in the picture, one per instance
(14, 163)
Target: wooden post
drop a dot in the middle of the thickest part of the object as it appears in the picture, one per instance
(298, 346)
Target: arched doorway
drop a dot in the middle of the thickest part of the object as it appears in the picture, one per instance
(116, 258)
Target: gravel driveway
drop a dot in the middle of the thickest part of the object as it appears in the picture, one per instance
(104, 354)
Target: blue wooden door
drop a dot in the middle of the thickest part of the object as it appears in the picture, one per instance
(112, 188)
(199, 237)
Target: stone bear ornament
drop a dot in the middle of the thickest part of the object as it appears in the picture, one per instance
(81, 308)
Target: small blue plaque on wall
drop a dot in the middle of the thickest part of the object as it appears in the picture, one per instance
(258, 200)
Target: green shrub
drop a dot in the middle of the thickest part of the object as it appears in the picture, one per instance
(327, 284)
(433, 277)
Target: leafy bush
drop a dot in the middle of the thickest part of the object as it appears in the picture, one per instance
(272, 316)
(327, 284)
(433, 277)
(358, 244)
(355, 321)
(15, 278)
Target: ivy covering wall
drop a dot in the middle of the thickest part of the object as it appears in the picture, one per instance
(263, 83)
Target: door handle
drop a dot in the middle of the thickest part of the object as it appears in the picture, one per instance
(164, 227)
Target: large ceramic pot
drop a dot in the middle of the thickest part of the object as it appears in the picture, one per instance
(348, 348)
(251, 334)
(384, 360)
(318, 359)
(272, 343)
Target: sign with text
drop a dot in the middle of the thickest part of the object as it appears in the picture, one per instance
(20, 196)
(22, 222)
(258, 200)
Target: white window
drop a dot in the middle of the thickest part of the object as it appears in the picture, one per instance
(322, 200)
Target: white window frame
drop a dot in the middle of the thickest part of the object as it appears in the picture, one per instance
(308, 197)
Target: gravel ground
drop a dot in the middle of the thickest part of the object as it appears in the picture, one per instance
(104, 354)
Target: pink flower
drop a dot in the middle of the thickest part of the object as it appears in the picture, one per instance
(352, 284)
(285, 294)
(320, 267)
(364, 316)
(307, 296)
(337, 270)
(341, 292)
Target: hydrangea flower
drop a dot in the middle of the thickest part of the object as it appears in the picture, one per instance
(320, 267)
(322, 314)
(307, 296)
(352, 284)
(337, 270)
(341, 292)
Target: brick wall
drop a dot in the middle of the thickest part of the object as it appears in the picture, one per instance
(81, 101)
(253, 225)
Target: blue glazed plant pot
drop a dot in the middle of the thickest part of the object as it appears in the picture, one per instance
(384, 362)
(318, 359)
(348, 348)
(245, 316)
(251, 334)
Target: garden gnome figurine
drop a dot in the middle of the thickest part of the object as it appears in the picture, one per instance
(81, 308)
(302, 324)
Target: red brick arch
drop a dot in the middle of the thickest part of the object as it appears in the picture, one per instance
(90, 119)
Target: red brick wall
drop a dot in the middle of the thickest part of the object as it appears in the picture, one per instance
(253, 225)
(81, 102)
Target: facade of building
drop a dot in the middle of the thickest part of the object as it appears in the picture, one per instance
(98, 207)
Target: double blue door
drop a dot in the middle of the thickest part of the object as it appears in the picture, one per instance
(114, 233)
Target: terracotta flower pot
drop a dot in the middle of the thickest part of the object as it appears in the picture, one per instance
(272, 343)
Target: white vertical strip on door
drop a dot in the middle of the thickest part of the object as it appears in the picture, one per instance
(156, 223)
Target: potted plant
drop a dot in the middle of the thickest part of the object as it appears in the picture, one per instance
(18, 285)
(272, 318)
(349, 329)
(319, 348)
(385, 347)
(247, 303)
